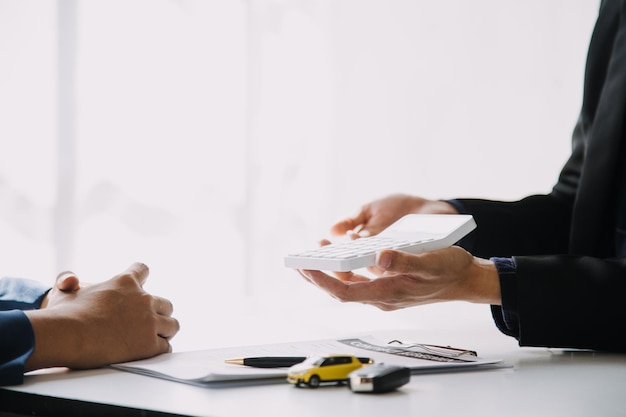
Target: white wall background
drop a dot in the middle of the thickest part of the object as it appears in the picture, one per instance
(210, 138)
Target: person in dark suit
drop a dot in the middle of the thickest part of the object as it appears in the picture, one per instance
(552, 266)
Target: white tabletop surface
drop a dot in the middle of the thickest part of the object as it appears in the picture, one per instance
(534, 381)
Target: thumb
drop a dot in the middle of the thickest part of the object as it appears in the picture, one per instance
(397, 261)
(67, 281)
(139, 272)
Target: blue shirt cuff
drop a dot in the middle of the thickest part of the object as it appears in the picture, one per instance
(458, 206)
(21, 294)
(506, 316)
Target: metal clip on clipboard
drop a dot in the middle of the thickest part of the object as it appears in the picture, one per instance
(433, 352)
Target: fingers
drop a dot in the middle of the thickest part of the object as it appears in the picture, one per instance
(325, 282)
(163, 346)
(350, 277)
(138, 271)
(162, 306)
(359, 232)
(358, 289)
(385, 293)
(167, 327)
(67, 281)
(372, 292)
(351, 223)
(341, 276)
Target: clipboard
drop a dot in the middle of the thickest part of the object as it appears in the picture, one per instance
(207, 368)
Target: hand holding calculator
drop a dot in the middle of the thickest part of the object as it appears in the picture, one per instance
(413, 233)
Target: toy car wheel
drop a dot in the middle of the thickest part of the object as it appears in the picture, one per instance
(314, 381)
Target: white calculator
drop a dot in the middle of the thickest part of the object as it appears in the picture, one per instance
(413, 233)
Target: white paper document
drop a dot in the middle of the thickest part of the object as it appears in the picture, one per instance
(208, 368)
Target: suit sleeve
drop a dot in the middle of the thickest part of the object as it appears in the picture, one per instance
(18, 343)
(536, 225)
(553, 298)
(570, 301)
(17, 340)
(549, 298)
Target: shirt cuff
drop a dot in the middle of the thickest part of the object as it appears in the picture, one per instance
(506, 316)
(458, 206)
(21, 294)
(18, 343)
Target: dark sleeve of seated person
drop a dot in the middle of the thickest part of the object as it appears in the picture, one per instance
(16, 333)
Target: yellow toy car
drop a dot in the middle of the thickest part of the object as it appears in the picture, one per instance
(321, 369)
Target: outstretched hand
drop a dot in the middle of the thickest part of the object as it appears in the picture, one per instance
(376, 216)
(406, 280)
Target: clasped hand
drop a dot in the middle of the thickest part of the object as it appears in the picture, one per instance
(87, 326)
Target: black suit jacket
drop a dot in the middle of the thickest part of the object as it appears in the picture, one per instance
(570, 246)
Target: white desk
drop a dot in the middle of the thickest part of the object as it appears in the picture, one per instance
(539, 382)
